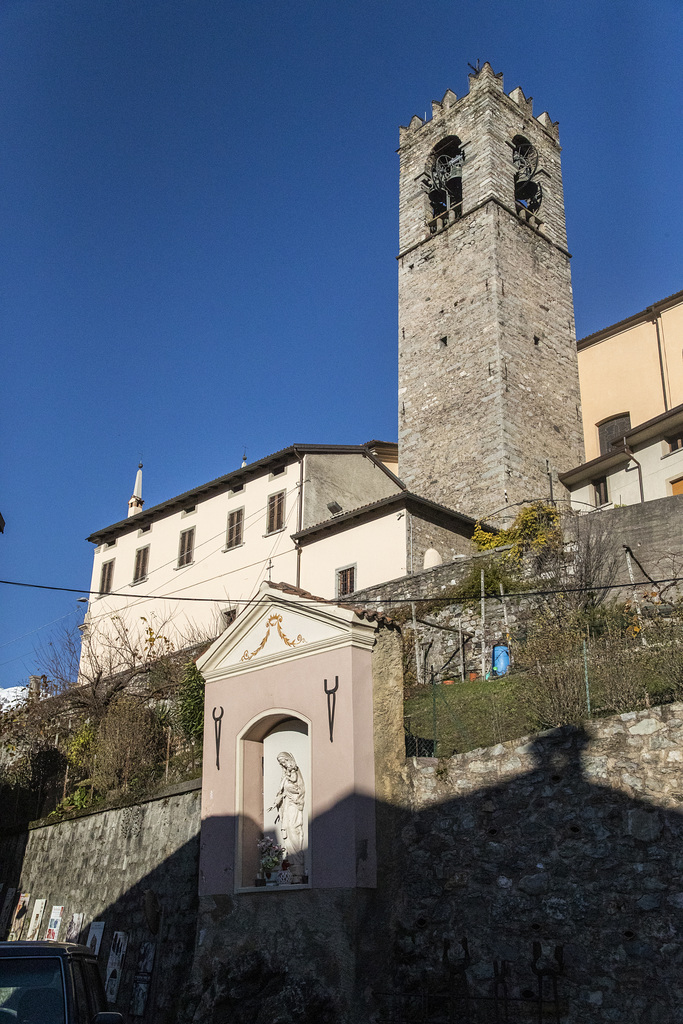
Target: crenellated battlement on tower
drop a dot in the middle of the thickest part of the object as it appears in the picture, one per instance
(488, 382)
(485, 78)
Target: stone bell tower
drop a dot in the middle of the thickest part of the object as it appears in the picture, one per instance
(488, 380)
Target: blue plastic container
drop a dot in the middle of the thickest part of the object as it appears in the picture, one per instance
(501, 660)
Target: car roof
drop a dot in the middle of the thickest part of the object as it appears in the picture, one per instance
(23, 948)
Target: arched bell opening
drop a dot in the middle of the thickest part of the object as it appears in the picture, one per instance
(528, 191)
(442, 183)
(275, 792)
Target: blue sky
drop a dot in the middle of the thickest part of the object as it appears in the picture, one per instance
(199, 222)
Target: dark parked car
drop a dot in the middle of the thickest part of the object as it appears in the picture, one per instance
(51, 983)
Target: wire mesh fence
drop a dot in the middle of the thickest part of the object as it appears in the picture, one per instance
(560, 672)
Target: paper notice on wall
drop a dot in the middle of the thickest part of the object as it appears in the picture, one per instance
(74, 927)
(20, 916)
(36, 918)
(95, 934)
(54, 923)
(117, 955)
(6, 912)
(142, 979)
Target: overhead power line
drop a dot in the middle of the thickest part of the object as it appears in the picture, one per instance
(601, 588)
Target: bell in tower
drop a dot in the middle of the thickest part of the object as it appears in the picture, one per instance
(488, 376)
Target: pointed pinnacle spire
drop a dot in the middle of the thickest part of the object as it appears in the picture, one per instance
(135, 504)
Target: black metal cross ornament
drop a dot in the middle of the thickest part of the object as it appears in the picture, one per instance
(217, 725)
(331, 693)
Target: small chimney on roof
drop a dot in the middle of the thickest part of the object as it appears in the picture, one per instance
(135, 504)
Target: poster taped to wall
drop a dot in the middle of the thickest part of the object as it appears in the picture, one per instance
(5, 913)
(95, 936)
(36, 918)
(74, 928)
(54, 923)
(20, 916)
(117, 955)
(142, 979)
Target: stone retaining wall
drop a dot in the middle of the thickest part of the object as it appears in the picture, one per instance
(135, 868)
(571, 838)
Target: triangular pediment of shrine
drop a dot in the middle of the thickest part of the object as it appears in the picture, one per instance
(282, 623)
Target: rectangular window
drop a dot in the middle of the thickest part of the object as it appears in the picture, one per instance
(276, 512)
(346, 581)
(141, 564)
(675, 442)
(186, 551)
(235, 528)
(600, 489)
(107, 577)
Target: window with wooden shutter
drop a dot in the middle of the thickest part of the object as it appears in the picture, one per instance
(346, 581)
(276, 512)
(235, 528)
(186, 552)
(141, 564)
(107, 577)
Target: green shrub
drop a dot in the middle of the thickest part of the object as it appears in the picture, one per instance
(190, 702)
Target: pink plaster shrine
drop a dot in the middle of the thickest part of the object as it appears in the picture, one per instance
(272, 769)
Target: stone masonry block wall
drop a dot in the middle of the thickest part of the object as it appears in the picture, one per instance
(570, 838)
(135, 868)
(423, 534)
(488, 375)
(418, 586)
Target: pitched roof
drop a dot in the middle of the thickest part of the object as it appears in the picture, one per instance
(656, 427)
(632, 321)
(403, 499)
(370, 614)
(595, 468)
(241, 475)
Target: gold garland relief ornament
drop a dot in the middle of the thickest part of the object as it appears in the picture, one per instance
(274, 620)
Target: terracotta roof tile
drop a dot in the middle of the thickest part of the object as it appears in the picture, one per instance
(370, 614)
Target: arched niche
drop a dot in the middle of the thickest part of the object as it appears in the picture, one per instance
(274, 780)
(432, 558)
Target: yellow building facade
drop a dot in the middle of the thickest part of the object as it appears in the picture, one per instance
(631, 369)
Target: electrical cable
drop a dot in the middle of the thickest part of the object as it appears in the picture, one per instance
(368, 600)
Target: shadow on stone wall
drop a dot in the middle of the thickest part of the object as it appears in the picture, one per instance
(131, 869)
(551, 857)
